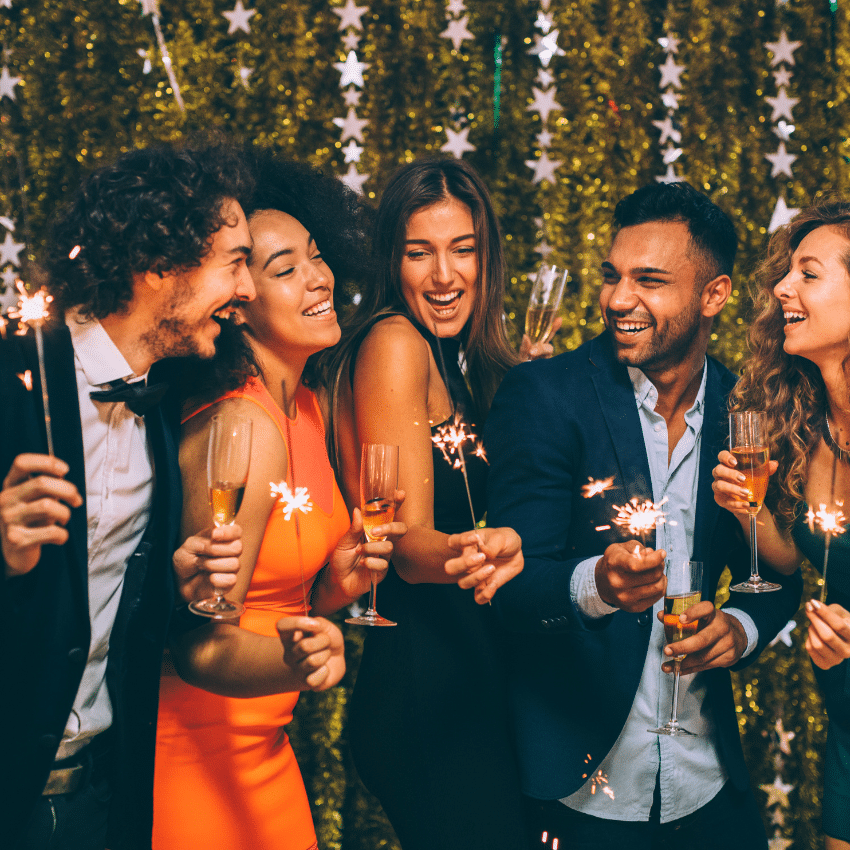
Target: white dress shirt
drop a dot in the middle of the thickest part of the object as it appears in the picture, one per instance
(119, 488)
(689, 770)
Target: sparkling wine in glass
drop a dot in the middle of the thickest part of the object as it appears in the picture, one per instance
(684, 589)
(545, 302)
(228, 459)
(378, 482)
(748, 444)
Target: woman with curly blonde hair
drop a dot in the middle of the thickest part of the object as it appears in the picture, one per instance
(799, 373)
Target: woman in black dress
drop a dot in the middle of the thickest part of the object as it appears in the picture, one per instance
(428, 720)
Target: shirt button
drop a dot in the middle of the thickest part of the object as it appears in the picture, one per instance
(658, 427)
(643, 618)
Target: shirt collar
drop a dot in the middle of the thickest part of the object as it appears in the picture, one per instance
(647, 395)
(98, 356)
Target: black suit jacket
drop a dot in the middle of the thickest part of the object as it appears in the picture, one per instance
(555, 424)
(45, 614)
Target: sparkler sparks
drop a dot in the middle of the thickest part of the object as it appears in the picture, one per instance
(289, 501)
(26, 379)
(32, 309)
(74, 252)
(829, 522)
(640, 517)
(600, 781)
(596, 487)
(450, 438)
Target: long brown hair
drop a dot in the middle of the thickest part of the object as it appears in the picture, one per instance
(788, 387)
(485, 343)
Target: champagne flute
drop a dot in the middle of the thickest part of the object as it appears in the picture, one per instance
(378, 482)
(228, 458)
(748, 444)
(684, 589)
(544, 302)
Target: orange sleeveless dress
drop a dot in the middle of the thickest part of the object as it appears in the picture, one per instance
(226, 776)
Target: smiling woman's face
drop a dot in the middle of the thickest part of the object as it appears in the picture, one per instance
(294, 303)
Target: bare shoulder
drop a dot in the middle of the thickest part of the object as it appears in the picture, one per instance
(395, 337)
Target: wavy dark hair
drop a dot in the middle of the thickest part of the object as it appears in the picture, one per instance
(788, 387)
(413, 187)
(153, 210)
(711, 230)
(340, 223)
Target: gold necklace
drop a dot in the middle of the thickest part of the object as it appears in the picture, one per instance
(842, 454)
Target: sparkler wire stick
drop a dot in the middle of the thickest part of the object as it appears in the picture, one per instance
(39, 345)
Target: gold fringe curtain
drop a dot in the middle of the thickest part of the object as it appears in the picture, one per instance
(84, 97)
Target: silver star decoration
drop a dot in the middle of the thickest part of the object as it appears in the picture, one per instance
(777, 792)
(669, 43)
(10, 251)
(9, 276)
(239, 18)
(354, 180)
(352, 97)
(777, 817)
(351, 70)
(782, 50)
(145, 54)
(352, 151)
(670, 99)
(782, 215)
(546, 47)
(544, 168)
(784, 130)
(781, 161)
(457, 31)
(544, 249)
(544, 21)
(5, 4)
(544, 78)
(458, 142)
(352, 126)
(7, 222)
(544, 139)
(351, 40)
(350, 15)
(7, 84)
(148, 7)
(668, 131)
(782, 77)
(669, 176)
(670, 73)
(782, 105)
(455, 7)
(785, 634)
(671, 154)
(244, 74)
(544, 103)
(785, 738)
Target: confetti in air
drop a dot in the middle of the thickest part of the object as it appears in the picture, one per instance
(289, 501)
(596, 487)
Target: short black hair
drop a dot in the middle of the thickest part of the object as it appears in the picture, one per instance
(712, 232)
(155, 209)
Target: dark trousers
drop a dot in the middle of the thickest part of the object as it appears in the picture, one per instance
(75, 821)
(731, 821)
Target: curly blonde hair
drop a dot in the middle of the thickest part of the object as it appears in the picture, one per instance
(788, 387)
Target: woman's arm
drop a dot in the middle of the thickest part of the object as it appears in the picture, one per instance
(775, 548)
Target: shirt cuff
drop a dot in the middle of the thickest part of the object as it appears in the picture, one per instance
(585, 594)
(749, 627)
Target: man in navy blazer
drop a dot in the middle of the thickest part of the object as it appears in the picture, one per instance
(640, 412)
(146, 260)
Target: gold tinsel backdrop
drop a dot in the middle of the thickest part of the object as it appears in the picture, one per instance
(564, 107)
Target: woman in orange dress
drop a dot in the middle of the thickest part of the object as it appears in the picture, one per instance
(226, 775)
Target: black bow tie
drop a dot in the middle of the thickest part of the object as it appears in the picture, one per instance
(139, 397)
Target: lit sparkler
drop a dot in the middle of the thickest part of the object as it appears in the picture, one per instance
(829, 522)
(640, 517)
(3, 323)
(32, 312)
(289, 501)
(596, 487)
(26, 379)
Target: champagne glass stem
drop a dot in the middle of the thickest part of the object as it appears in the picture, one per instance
(674, 708)
(754, 566)
(372, 611)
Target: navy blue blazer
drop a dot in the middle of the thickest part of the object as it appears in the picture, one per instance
(45, 615)
(553, 425)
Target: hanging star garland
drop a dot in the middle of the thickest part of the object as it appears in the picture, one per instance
(239, 18)
(457, 31)
(782, 50)
(785, 633)
(458, 142)
(671, 73)
(352, 126)
(782, 215)
(544, 168)
(350, 15)
(351, 70)
(777, 792)
(544, 103)
(8, 83)
(781, 161)
(782, 105)
(10, 251)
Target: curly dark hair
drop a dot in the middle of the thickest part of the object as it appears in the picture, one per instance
(340, 223)
(788, 387)
(152, 210)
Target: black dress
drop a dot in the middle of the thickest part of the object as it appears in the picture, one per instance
(835, 682)
(428, 720)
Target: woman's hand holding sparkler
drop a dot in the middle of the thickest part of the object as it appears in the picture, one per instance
(720, 642)
(313, 649)
(828, 641)
(631, 577)
(208, 562)
(35, 505)
(489, 558)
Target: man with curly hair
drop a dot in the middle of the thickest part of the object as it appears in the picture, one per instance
(144, 263)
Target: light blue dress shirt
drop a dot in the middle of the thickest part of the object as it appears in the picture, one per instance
(688, 769)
